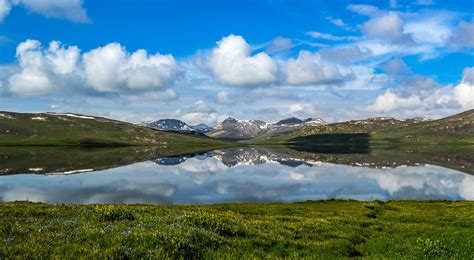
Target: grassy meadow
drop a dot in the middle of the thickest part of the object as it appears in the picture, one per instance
(319, 229)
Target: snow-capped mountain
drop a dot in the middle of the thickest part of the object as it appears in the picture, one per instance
(168, 125)
(176, 125)
(235, 156)
(202, 128)
(232, 128)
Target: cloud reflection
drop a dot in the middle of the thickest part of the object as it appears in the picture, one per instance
(207, 179)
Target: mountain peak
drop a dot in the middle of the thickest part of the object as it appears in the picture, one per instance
(230, 120)
(289, 121)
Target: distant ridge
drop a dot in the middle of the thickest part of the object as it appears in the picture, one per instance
(176, 125)
(234, 129)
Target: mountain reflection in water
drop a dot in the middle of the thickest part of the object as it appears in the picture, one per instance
(240, 174)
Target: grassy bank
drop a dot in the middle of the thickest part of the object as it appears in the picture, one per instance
(322, 229)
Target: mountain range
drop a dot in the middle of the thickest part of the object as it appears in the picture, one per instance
(234, 129)
(176, 125)
(83, 130)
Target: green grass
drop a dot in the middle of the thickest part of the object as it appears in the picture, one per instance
(319, 229)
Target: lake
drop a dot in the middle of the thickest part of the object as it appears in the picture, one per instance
(239, 174)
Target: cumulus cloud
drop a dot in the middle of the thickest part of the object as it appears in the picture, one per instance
(108, 69)
(68, 9)
(233, 64)
(388, 27)
(423, 96)
(309, 68)
(41, 68)
(389, 101)
(210, 119)
(202, 107)
(464, 92)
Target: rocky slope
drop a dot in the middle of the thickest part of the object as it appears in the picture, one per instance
(176, 125)
(233, 129)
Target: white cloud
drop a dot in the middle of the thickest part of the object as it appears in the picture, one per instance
(432, 29)
(232, 63)
(202, 107)
(152, 96)
(309, 69)
(5, 8)
(105, 69)
(326, 36)
(195, 118)
(68, 9)
(389, 101)
(422, 96)
(466, 188)
(102, 66)
(338, 22)
(368, 10)
(63, 60)
(40, 68)
(30, 82)
(464, 92)
(111, 67)
(388, 27)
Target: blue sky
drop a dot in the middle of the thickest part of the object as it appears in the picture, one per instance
(201, 61)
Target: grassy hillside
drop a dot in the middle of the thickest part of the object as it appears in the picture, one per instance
(316, 230)
(69, 129)
(457, 129)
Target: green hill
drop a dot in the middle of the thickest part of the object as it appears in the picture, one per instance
(456, 129)
(79, 130)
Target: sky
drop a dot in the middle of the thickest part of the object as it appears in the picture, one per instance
(203, 61)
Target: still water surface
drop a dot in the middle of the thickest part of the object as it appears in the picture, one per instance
(247, 174)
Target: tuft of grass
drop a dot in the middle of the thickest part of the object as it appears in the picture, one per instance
(209, 221)
(188, 243)
(112, 213)
(431, 248)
